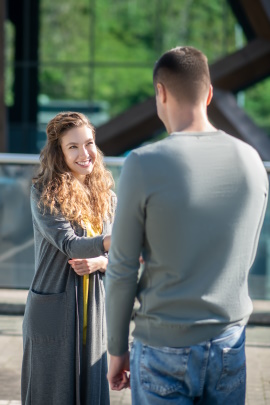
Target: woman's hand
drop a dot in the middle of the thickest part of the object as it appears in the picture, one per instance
(88, 266)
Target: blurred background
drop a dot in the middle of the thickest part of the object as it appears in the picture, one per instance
(97, 57)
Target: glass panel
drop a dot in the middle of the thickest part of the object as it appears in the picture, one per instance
(139, 31)
(255, 102)
(65, 82)
(126, 31)
(123, 87)
(104, 51)
(9, 61)
(16, 229)
(259, 277)
(65, 28)
(134, 30)
(16, 233)
(68, 89)
(209, 26)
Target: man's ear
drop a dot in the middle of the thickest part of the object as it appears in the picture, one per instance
(161, 93)
(210, 95)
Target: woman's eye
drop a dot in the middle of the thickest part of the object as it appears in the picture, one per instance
(90, 143)
(72, 147)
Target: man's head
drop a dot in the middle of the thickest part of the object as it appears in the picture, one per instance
(184, 72)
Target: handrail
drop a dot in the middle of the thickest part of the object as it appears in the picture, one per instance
(267, 166)
(27, 159)
(19, 158)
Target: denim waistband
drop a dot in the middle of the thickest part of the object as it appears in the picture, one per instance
(230, 331)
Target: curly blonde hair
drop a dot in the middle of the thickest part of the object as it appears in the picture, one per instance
(61, 192)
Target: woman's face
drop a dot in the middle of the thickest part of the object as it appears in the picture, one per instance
(79, 151)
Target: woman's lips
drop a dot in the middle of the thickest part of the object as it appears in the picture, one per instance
(85, 163)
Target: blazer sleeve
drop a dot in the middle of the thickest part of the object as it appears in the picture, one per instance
(59, 232)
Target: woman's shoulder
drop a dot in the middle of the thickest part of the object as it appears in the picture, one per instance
(35, 191)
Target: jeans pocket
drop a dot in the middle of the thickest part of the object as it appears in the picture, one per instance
(234, 368)
(45, 317)
(164, 370)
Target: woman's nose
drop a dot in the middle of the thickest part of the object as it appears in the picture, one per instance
(84, 152)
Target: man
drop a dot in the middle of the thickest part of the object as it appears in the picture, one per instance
(193, 204)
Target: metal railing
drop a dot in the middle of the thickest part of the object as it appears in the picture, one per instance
(30, 159)
(22, 159)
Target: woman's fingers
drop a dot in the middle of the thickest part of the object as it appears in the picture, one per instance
(77, 262)
(84, 266)
(79, 266)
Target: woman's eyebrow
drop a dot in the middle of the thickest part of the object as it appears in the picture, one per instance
(75, 143)
(71, 143)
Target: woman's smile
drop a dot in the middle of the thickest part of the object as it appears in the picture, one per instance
(79, 150)
(85, 163)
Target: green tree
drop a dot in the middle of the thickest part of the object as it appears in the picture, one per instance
(104, 50)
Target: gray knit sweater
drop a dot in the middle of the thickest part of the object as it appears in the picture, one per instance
(194, 204)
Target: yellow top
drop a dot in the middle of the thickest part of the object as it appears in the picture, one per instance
(90, 233)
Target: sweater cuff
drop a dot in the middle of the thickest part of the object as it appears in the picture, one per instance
(117, 348)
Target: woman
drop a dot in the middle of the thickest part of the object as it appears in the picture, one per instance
(64, 331)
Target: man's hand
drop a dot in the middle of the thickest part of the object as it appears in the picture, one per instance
(118, 372)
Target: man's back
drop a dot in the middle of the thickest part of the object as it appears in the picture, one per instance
(194, 204)
(198, 201)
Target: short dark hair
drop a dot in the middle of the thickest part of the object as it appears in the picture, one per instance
(184, 72)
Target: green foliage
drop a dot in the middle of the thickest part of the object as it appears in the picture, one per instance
(257, 101)
(64, 31)
(105, 50)
(9, 59)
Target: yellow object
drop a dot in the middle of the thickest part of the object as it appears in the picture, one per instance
(90, 233)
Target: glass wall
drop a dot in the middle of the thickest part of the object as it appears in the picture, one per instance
(259, 277)
(104, 50)
(97, 56)
(16, 231)
(255, 101)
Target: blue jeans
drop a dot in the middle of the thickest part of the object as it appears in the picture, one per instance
(210, 373)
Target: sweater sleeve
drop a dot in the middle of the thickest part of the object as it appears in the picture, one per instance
(59, 232)
(126, 246)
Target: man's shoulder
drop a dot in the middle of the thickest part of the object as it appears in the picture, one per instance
(149, 149)
(249, 157)
(238, 142)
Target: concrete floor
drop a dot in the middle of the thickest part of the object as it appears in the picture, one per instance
(257, 349)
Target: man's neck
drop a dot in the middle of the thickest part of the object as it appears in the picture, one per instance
(194, 127)
(189, 120)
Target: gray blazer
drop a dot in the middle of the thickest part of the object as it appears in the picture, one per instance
(53, 357)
